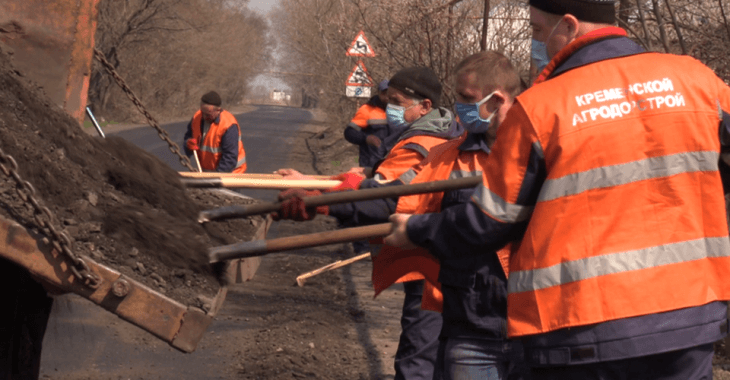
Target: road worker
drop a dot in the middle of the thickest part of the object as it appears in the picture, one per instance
(367, 129)
(414, 105)
(607, 169)
(473, 339)
(214, 134)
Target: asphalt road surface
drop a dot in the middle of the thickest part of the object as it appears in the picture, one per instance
(79, 341)
(267, 134)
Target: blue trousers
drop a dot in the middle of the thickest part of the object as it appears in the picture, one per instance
(693, 363)
(416, 356)
(471, 359)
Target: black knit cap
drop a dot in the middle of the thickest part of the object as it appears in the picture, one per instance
(597, 11)
(418, 82)
(212, 98)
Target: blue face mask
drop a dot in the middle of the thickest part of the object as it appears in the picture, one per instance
(539, 54)
(396, 115)
(469, 116)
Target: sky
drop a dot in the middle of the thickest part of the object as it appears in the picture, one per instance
(263, 7)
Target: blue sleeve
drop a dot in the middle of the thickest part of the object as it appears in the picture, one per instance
(355, 135)
(464, 229)
(188, 134)
(229, 150)
(364, 213)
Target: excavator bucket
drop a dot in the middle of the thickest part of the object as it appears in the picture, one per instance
(179, 325)
(54, 43)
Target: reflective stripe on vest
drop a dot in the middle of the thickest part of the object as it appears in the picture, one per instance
(498, 208)
(616, 175)
(401, 157)
(591, 267)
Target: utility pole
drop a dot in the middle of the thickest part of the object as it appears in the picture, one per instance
(485, 26)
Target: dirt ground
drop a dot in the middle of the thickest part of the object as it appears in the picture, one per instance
(331, 328)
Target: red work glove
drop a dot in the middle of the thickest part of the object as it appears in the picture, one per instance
(293, 208)
(350, 181)
(192, 144)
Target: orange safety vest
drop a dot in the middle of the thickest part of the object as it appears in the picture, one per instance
(630, 220)
(406, 154)
(210, 151)
(395, 265)
(367, 116)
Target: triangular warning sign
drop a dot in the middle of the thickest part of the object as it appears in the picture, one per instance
(360, 47)
(359, 76)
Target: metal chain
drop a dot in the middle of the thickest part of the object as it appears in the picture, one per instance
(44, 220)
(184, 160)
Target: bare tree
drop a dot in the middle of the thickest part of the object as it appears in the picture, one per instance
(171, 51)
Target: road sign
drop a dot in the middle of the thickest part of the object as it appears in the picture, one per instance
(360, 47)
(357, 91)
(359, 76)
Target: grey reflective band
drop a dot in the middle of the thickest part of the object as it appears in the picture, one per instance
(241, 162)
(498, 208)
(463, 174)
(408, 176)
(416, 147)
(377, 121)
(210, 149)
(646, 258)
(378, 177)
(537, 147)
(615, 175)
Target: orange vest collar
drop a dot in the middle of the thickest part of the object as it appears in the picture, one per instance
(578, 43)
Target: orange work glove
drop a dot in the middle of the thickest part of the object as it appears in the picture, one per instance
(293, 207)
(192, 144)
(350, 181)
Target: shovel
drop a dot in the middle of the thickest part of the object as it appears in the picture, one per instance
(263, 247)
(240, 211)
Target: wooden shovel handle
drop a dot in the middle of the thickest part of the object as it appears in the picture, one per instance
(263, 247)
(301, 279)
(244, 175)
(260, 183)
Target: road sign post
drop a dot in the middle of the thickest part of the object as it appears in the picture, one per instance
(359, 82)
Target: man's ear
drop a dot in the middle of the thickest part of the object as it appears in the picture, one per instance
(573, 24)
(426, 106)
